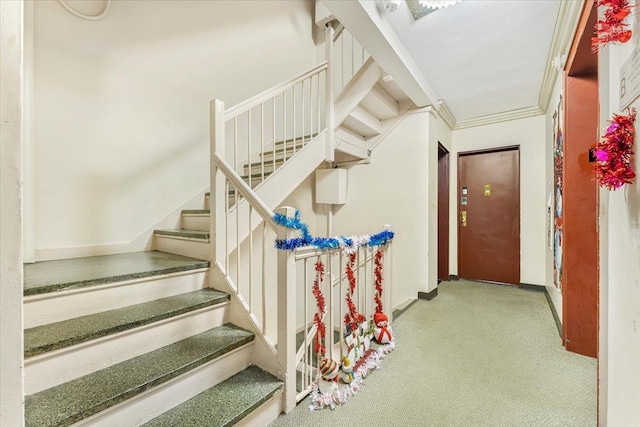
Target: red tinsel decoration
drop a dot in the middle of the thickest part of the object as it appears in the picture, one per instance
(352, 318)
(319, 347)
(612, 28)
(613, 166)
(378, 280)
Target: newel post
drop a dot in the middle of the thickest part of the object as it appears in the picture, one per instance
(387, 278)
(217, 185)
(287, 314)
(329, 110)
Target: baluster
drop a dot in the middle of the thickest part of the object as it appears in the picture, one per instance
(250, 260)
(330, 323)
(284, 128)
(287, 315)
(342, 305)
(249, 148)
(329, 107)
(273, 158)
(217, 181)
(262, 140)
(306, 360)
(264, 277)
(293, 103)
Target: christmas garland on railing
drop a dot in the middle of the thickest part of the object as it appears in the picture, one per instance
(347, 244)
(352, 318)
(611, 27)
(613, 165)
(377, 272)
(318, 317)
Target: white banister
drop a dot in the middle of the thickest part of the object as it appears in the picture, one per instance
(254, 101)
(329, 104)
(287, 314)
(218, 199)
(265, 212)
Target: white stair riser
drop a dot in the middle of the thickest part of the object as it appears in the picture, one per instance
(207, 204)
(194, 248)
(57, 306)
(148, 405)
(59, 366)
(264, 414)
(195, 222)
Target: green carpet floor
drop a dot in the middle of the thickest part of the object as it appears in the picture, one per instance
(477, 355)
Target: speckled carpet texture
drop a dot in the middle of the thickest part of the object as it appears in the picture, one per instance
(477, 355)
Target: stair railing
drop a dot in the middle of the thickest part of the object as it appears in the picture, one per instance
(296, 274)
(347, 57)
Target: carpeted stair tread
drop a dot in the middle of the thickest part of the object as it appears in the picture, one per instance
(42, 339)
(190, 234)
(75, 400)
(225, 404)
(51, 276)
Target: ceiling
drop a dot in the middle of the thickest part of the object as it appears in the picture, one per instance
(482, 57)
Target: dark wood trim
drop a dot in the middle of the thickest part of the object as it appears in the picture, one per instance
(489, 150)
(397, 313)
(453, 278)
(532, 287)
(554, 312)
(428, 295)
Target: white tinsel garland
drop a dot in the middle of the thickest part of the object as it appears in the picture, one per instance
(341, 394)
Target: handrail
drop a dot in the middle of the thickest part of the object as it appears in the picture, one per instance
(265, 212)
(240, 108)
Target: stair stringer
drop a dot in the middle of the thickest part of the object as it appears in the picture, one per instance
(277, 187)
(265, 355)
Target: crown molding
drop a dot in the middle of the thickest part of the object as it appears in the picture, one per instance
(565, 28)
(520, 113)
(446, 115)
(566, 24)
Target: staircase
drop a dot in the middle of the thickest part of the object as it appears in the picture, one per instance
(140, 333)
(144, 338)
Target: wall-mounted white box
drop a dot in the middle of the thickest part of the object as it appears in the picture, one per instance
(331, 186)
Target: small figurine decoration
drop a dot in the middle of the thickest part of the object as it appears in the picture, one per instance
(382, 331)
(329, 370)
(347, 371)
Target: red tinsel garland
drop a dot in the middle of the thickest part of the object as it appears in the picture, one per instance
(612, 28)
(319, 347)
(613, 166)
(352, 318)
(378, 280)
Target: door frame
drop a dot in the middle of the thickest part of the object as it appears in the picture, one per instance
(443, 220)
(459, 195)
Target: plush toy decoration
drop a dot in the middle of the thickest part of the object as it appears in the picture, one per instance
(329, 370)
(347, 371)
(382, 331)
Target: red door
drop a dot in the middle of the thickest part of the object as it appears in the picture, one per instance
(443, 214)
(489, 216)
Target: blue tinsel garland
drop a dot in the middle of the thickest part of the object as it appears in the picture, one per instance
(322, 243)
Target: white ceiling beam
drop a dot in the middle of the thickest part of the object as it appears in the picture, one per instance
(365, 22)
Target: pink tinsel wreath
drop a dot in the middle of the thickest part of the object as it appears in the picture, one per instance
(613, 166)
(612, 28)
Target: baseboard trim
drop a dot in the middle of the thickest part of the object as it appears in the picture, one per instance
(399, 311)
(532, 287)
(554, 312)
(453, 278)
(428, 295)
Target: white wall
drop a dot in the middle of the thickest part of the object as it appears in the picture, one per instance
(554, 293)
(529, 134)
(122, 108)
(394, 189)
(11, 135)
(620, 329)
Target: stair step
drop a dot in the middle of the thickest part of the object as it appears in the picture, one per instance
(188, 234)
(45, 338)
(381, 103)
(51, 276)
(75, 400)
(361, 122)
(225, 404)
